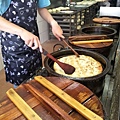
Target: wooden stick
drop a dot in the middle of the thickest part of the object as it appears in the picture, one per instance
(84, 37)
(49, 102)
(90, 41)
(88, 114)
(71, 48)
(22, 105)
(106, 20)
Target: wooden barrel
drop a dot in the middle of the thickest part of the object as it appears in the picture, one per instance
(8, 111)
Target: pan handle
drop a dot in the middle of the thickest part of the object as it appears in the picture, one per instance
(59, 48)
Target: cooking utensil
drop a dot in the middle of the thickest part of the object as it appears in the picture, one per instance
(68, 99)
(29, 113)
(70, 48)
(90, 41)
(68, 69)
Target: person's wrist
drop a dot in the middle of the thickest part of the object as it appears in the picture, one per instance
(20, 32)
(53, 22)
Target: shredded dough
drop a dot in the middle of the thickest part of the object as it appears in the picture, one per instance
(85, 66)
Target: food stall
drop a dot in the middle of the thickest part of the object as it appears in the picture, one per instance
(57, 97)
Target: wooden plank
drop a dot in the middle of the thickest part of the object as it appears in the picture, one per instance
(49, 102)
(22, 105)
(106, 20)
(91, 41)
(12, 114)
(85, 37)
(88, 114)
(8, 111)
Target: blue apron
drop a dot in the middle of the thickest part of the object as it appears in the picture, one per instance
(20, 61)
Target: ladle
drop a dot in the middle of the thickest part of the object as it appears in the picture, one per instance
(68, 69)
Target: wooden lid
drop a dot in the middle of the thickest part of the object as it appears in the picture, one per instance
(78, 91)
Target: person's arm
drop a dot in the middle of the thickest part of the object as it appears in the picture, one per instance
(56, 29)
(27, 36)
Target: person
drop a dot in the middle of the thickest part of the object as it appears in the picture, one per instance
(20, 44)
(113, 3)
(105, 3)
(64, 3)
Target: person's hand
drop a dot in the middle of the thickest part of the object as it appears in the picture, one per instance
(31, 40)
(56, 30)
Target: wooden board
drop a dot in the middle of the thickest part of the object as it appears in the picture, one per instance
(9, 111)
(95, 45)
(106, 20)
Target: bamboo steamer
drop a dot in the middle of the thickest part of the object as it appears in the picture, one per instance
(76, 90)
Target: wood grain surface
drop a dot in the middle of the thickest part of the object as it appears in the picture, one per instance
(43, 108)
